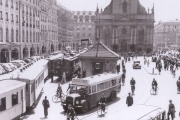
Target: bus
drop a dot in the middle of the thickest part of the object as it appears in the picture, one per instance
(12, 99)
(86, 92)
(33, 75)
(138, 112)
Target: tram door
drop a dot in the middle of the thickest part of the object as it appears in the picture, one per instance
(23, 99)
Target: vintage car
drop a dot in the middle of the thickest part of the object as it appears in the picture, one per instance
(136, 65)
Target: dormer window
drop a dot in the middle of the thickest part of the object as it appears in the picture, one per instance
(124, 7)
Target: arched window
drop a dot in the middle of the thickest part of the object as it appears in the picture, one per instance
(30, 36)
(124, 7)
(7, 35)
(17, 35)
(1, 35)
(141, 35)
(12, 35)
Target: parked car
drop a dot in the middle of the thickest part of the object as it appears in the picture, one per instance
(6, 67)
(136, 65)
(2, 71)
(13, 67)
(19, 63)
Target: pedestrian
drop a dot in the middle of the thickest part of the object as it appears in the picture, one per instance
(129, 100)
(148, 63)
(171, 110)
(63, 77)
(79, 74)
(84, 73)
(117, 68)
(46, 105)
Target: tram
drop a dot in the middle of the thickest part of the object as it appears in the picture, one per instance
(33, 75)
(12, 99)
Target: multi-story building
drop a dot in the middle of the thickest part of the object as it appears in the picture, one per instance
(28, 28)
(126, 26)
(84, 26)
(167, 34)
(65, 28)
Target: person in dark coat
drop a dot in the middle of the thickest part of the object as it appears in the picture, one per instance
(129, 100)
(171, 110)
(84, 73)
(46, 105)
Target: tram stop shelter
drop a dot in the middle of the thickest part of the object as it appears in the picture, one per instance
(98, 59)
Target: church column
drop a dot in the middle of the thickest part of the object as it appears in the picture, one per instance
(135, 35)
(131, 28)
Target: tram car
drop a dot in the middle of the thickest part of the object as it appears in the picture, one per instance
(33, 75)
(68, 65)
(12, 99)
(59, 65)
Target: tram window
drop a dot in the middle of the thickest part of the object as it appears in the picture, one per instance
(14, 99)
(2, 104)
(106, 84)
(89, 89)
(113, 82)
(94, 89)
(119, 79)
(100, 87)
(32, 88)
(26, 87)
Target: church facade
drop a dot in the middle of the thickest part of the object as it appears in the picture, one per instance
(125, 26)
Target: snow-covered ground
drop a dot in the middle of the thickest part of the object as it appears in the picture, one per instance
(166, 84)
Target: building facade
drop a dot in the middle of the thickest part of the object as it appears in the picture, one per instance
(28, 28)
(167, 35)
(125, 26)
(65, 28)
(84, 27)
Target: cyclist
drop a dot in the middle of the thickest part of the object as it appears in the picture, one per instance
(103, 102)
(178, 84)
(70, 112)
(59, 90)
(154, 85)
(132, 83)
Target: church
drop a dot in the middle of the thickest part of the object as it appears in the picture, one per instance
(125, 26)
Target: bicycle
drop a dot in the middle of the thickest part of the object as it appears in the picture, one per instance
(69, 117)
(100, 110)
(153, 91)
(56, 98)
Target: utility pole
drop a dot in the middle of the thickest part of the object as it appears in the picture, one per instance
(98, 36)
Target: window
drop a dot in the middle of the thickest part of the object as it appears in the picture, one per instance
(12, 18)
(124, 7)
(27, 87)
(12, 35)
(6, 3)
(27, 36)
(1, 15)
(11, 3)
(16, 18)
(2, 104)
(0, 2)
(7, 35)
(100, 87)
(15, 99)
(17, 35)
(16, 5)
(6, 16)
(1, 35)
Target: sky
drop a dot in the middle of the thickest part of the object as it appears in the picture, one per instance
(165, 10)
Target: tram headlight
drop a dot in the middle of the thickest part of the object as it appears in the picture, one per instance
(77, 102)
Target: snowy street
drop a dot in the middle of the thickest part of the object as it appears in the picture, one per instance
(166, 84)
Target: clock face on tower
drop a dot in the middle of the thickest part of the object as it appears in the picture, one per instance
(123, 31)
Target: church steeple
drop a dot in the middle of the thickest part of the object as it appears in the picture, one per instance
(97, 9)
(153, 9)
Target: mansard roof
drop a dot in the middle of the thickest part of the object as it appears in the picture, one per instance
(103, 52)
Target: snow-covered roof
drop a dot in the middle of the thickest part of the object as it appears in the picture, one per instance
(94, 79)
(136, 112)
(31, 72)
(10, 85)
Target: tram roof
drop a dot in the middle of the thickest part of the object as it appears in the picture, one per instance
(9, 85)
(136, 112)
(53, 57)
(94, 79)
(31, 72)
